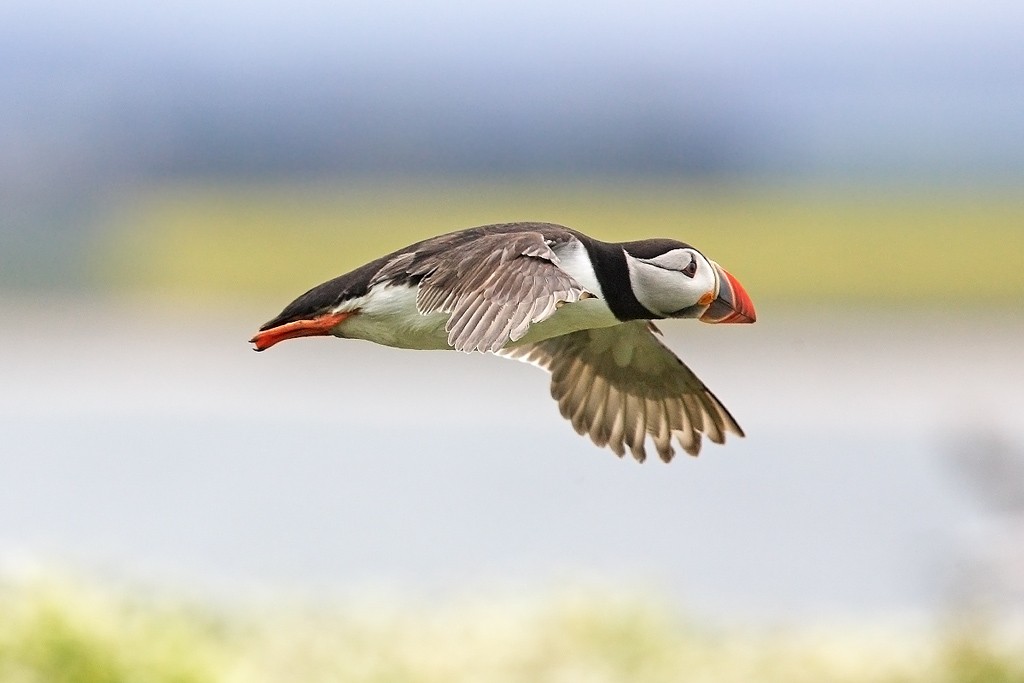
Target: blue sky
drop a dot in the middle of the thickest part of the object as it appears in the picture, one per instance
(951, 38)
(905, 87)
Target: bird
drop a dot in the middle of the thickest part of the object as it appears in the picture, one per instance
(578, 307)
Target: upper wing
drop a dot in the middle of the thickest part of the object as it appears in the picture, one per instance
(620, 384)
(493, 285)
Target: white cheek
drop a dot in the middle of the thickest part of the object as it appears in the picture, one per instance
(661, 291)
(706, 281)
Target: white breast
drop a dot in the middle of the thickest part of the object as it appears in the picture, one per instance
(388, 314)
(585, 314)
(574, 260)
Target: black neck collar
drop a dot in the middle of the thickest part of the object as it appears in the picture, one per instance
(609, 261)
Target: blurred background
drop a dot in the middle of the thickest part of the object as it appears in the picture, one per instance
(172, 175)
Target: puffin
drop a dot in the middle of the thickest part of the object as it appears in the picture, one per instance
(580, 308)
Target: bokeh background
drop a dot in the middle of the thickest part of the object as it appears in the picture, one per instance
(176, 507)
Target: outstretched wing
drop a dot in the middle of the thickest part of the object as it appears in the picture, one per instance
(620, 385)
(494, 286)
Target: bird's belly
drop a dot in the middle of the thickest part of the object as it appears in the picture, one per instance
(388, 315)
(585, 314)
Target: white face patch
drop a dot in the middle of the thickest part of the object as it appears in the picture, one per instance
(677, 259)
(672, 282)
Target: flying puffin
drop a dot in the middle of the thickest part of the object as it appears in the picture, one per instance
(549, 295)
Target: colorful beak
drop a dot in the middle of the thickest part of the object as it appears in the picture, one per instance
(733, 304)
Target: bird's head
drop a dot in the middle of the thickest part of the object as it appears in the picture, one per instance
(674, 280)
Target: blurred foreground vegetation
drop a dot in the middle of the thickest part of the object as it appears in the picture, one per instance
(930, 248)
(86, 633)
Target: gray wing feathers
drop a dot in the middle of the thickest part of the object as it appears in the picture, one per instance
(620, 385)
(494, 287)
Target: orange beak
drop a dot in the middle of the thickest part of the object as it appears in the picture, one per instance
(733, 304)
(317, 327)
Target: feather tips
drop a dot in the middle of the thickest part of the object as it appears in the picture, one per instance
(621, 405)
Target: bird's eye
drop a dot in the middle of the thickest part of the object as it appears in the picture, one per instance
(691, 269)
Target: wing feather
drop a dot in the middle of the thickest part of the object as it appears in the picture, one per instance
(493, 286)
(620, 385)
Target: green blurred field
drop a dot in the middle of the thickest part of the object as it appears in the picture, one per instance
(61, 632)
(856, 247)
